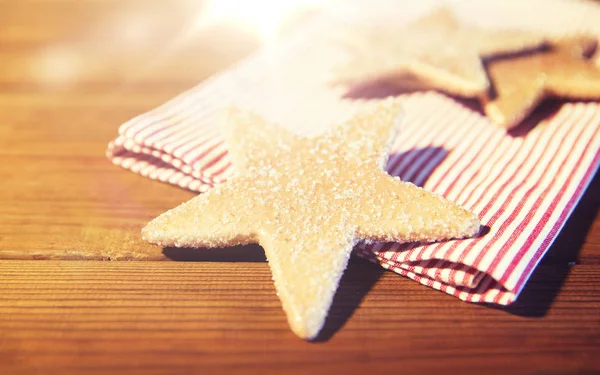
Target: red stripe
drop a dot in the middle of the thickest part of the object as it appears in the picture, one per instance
(203, 169)
(438, 246)
(423, 159)
(449, 108)
(497, 191)
(545, 218)
(493, 158)
(531, 212)
(449, 168)
(204, 153)
(456, 110)
(399, 163)
(436, 158)
(184, 145)
(214, 160)
(178, 138)
(164, 123)
(470, 245)
(422, 249)
(504, 249)
(559, 223)
(220, 171)
(157, 116)
(456, 244)
(187, 146)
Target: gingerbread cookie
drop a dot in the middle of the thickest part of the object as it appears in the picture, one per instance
(308, 201)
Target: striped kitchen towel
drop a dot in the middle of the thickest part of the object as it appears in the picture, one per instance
(523, 186)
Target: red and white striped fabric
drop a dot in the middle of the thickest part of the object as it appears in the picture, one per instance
(523, 186)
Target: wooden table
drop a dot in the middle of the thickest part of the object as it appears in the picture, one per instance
(80, 292)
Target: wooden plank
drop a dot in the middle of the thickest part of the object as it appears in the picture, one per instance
(66, 317)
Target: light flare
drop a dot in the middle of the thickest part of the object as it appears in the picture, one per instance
(267, 17)
(57, 65)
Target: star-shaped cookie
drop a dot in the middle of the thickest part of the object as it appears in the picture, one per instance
(436, 48)
(520, 83)
(308, 201)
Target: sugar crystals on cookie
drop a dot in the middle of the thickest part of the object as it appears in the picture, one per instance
(308, 201)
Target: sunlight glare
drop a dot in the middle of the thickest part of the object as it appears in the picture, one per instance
(56, 64)
(265, 16)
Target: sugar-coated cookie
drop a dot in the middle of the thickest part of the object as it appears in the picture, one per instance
(436, 49)
(521, 82)
(308, 201)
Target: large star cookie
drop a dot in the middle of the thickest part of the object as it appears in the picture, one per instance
(522, 82)
(308, 201)
(436, 48)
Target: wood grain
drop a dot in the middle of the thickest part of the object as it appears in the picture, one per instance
(174, 317)
(66, 84)
(71, 71)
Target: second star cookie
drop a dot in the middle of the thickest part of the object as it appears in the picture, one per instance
(520, 83)
(436, 49)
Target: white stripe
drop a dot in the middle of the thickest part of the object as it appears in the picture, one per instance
(491, 185)
(447, 136)
(562, 137)
(432, 251)
(568, 164)
(413, 138)
(186, 129)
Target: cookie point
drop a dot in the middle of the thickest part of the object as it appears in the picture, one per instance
(305, 330)
(149, 232)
